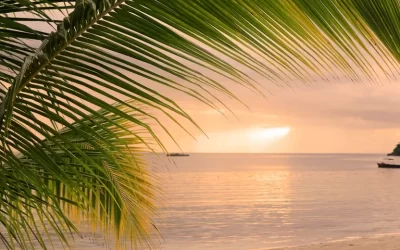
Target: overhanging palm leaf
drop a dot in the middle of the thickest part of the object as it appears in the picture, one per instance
(17, 36)
(77, 171)
(56, 142)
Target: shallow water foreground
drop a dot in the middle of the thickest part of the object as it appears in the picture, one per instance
(258, 201)
(263, 201)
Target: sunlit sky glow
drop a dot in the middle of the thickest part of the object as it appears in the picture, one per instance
(334, 117)
(246, 140)
(328, 118)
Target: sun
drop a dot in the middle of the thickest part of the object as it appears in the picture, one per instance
(245, 140)
(269, 134)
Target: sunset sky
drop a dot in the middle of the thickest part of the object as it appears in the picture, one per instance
(334, 117)
(337, 117)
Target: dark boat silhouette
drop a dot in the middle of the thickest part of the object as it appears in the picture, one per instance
(390, 162)
(177, 154)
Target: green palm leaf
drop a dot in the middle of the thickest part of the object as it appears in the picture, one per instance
(79, 176)
(70, 140)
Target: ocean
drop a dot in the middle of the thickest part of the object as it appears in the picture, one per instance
(262, 201)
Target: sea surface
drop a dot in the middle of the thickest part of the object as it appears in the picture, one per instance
(263, 201)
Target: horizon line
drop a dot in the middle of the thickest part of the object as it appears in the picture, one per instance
(269, 152)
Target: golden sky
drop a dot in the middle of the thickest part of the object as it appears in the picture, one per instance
(334, 117)
(337, 117)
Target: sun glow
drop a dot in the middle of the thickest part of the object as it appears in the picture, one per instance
(269, 134)
(248, 140)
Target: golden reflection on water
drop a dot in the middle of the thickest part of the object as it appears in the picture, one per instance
(266, 201)
(260, 201)
(224, 203)
(281, 184)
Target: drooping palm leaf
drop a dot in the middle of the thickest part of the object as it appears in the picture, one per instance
(77, 176)
(109, 51)
(381, 18)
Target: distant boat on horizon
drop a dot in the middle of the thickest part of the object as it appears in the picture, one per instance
(391, 162)
(177, 154)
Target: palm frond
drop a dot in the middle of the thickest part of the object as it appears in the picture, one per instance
(110, 51)
(77, 176)
(381, 18)
(17, 37)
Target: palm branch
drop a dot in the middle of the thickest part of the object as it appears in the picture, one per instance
(76, 103)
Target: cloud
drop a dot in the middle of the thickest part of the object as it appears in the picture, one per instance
(250, 140)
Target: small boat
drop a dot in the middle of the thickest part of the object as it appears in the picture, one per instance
(177, 154)
(390, 162)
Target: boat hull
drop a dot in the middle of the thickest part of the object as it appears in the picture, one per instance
(386, 165)
(177, 154)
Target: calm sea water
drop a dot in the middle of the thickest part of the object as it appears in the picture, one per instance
(262, 201)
